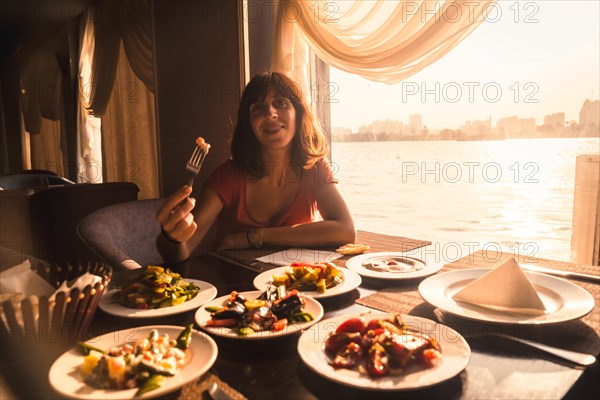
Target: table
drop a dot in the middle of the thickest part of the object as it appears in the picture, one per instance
(273, 369)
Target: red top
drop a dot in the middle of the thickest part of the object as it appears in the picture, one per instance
(230, 185)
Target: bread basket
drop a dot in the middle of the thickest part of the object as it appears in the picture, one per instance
(62, 319)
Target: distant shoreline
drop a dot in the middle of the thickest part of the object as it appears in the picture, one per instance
(357, 137)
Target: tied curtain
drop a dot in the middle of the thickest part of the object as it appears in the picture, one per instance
(41, 105)
(381, 40)
(117, 130)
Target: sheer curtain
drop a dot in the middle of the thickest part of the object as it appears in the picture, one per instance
(381, 40)
(89, 139)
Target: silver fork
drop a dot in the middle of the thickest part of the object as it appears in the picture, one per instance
(573, 356)
(195, 163)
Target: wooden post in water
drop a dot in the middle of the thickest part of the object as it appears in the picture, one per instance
(585, 237)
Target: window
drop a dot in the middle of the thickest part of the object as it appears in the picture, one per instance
(479, 149)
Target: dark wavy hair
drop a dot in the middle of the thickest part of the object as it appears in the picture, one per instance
(309, 143)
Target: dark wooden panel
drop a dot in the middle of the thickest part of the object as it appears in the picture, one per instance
(197, 67)
(56, 212)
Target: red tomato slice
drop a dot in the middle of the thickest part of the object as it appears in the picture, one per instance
(280, 325)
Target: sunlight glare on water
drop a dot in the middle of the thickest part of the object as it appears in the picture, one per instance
(517, 194)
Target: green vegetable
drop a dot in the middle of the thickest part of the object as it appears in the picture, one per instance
(86, 348)
(301, 317)
(185, 337)
(212, 309)
(154, 382)
(245, 330)
(155, 287)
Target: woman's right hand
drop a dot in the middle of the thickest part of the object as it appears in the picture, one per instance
(175, 215)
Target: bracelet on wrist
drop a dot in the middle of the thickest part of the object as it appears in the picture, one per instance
(168, 237)
(253, 237)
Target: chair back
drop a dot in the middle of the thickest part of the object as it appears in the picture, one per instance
(123, 232)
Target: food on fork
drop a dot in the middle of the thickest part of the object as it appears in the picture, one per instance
(155, 287)
(204, 146)
(309, 277)
(380, 347)
(353, 248)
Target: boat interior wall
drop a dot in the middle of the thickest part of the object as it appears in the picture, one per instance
(56, 212)
(15, 231)
(197, 71)
(44, 224)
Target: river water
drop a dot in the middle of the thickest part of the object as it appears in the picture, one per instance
(514, 195)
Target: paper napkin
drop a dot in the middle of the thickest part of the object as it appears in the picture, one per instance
(21, 279)
(504, 288)
(286, 257)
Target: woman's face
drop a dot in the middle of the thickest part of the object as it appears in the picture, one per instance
(273, 121)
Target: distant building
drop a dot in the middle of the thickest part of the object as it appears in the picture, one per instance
(589, 116)
(378, 127)
(415, 124)
(339, 134)
(477, 128)
(554, 122)
(554, 126)
(515, 127)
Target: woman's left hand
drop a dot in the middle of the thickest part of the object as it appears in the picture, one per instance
(235, 241)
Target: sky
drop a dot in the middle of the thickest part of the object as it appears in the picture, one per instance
(534, 58)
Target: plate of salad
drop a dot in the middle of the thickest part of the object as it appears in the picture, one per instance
(256, 315)
(156, 292)
(126, 364)
(318, 280)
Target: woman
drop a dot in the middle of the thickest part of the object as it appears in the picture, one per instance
(270, 191)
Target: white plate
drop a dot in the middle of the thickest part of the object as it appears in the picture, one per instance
(351, 281)
(455, 356)
(202, 317)
(206, 293)
(65, 379)
(563, 300)
(357, 264)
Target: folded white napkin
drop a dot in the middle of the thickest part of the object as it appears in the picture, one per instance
(20, 282)
(286, 257)
(505, 288)
(21, 279)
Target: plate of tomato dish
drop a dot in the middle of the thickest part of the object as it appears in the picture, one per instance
(384, 351)
(155, 292)
(142, 362)
(256, 315)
